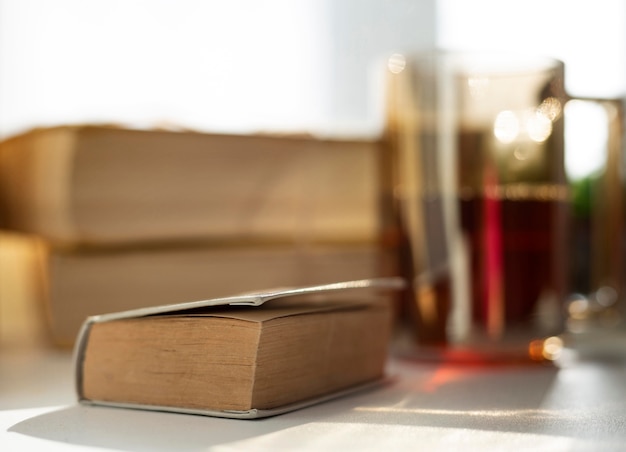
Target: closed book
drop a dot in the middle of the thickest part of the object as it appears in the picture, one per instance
(98, 185)
(246, 356)
(89, 281)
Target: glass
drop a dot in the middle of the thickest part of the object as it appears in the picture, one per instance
(477, 203)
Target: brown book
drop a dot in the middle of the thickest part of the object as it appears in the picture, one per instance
(22, 322)
(245, 356)
(106, 185)
(86, 282)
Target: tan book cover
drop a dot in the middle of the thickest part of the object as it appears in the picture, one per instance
(86, 282)
(245, 356)
(110, 185)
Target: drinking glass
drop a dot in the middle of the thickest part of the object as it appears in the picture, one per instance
(478, 205)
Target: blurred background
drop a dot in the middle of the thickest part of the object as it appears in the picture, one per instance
(277, 65)
(241, 65)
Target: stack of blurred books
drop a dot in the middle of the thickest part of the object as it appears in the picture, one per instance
(137, 218)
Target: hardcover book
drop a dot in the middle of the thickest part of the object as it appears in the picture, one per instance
(101, 185)
(246, 356)
(86, 282)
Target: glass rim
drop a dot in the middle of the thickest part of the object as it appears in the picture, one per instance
(471, 63)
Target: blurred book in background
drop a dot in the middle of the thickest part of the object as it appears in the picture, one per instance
(22, 318)
(135, 218)
(108, 185)
(87, 282)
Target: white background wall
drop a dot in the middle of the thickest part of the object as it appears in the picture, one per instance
(274, 64)
(226, 65)
(236, 65)
(588, 35)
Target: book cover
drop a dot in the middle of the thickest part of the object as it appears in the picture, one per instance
(314, 347)
(99, 185)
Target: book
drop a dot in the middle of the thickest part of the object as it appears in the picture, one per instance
(244, 356)
(89, 281)
(22, 322)
(99, 185)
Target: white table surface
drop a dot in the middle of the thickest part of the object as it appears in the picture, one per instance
(579, 407)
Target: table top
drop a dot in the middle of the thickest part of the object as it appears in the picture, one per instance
(434, 406)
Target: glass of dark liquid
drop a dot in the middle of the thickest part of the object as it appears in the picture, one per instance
(477, 203)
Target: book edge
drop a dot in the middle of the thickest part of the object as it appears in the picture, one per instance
(303, 135)
(254, 413)
(255, 298)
